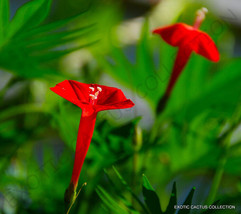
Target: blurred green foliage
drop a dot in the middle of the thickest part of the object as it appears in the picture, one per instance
(195, 142)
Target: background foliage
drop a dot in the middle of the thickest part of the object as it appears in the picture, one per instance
(138, 162)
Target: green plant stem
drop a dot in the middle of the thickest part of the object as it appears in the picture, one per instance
(72, 203)
(134, 171)
(217, 180)
(137, 144)
(154, 132)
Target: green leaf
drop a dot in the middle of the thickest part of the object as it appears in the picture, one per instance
(50, 55)
(110, 202)
(4, 18)
(51, 37)
(57, 39)
(129, 189)
(150, 196)
(29, 15)
(144, 54)
(34, 47)
(188, 201)
(146, 183)
(121, 197)
(49, 27)
(173, 200)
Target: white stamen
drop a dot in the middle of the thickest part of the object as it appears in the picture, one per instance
(205, 10)
(200, 16)
(202, 13)
(93, 97)
(96, 94)
(91, 88)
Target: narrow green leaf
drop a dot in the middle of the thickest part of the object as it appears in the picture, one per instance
(57, 40)
(129, 189)
(4, 18)
(110, 202)
(49, 27)
(50, 55)
(188, 201)
(145, 62)
(61, 35)
(29, 15)
(150, 197)
(121, 197)
(146, 183)
(173, 200)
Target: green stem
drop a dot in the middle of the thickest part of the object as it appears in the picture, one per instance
(137, 144)
(153, 134)
(217, 180)
(134, 172)
(75, 197)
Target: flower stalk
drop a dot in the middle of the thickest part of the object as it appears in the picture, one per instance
(137, 144)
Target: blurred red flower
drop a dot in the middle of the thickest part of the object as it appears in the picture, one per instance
(188, 39)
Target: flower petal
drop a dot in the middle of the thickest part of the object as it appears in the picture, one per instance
(65, 90)
(189, 38)
(204, 45)
(110, 95)
(120, 105)
(175, 35)
(72, 91)
(81, 90)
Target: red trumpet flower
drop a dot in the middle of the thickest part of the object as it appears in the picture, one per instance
(91, 98)
(187, 39)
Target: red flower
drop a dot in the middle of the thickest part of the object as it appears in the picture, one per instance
(187, 39)
(91, 98)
